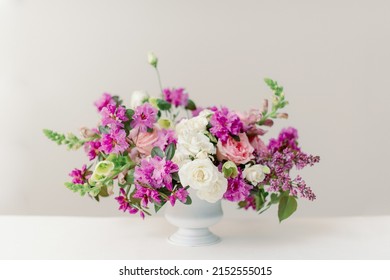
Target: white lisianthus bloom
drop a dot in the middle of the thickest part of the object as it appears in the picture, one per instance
(137, 98)
(256, 173)
(205, 113)
(216, 191)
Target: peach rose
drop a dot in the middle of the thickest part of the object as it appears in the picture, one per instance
(239, 152)
(144, 141)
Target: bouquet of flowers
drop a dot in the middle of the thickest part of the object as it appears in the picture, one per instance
(151, 152)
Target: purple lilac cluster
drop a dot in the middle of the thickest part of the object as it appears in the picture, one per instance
(176, 96)
(281, 163)
(225, 123)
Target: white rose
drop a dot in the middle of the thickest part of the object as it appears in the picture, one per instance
(180, 158)
(194, 125)
(199, 174)
(205, 113)
(194, 143)
(216, 191)
(137, 98)
(256, 173)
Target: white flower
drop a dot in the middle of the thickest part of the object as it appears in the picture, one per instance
(191, 138)
(198, 174)
(256, 173)
(194, 125)
(205, 113)
(180, 158)
(194, 143)
(216, 190)
(152, 59)
(203, 176)
(137, 98)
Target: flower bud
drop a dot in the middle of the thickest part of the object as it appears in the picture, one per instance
(153, 102)
(229, 169)
(104, 168)
(265, 105)
(152, 59)
(164, 123)
(138, 98)
(268, 122)
(87, 133)
(282, 116)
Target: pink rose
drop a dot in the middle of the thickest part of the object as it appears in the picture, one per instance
(239, 152)
(258, 144)
(145, 141)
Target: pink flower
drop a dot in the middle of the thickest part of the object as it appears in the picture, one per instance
(92, 148)
(115, 142)
(80, 176)
(259, 146)
(180, 194)
(240, 152)
(144, 117)
(104, 101)
(225, 123)
(144, 141)
(113, 115)
(177, 97)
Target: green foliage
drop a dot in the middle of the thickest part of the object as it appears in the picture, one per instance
(170, 151)
(279, 101)
(163, 105)
(156, 151)
(188, 201)
(191, 105)
(82, 189)
(70, 140)
(287, 206)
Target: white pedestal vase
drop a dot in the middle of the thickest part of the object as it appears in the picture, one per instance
(194, 221)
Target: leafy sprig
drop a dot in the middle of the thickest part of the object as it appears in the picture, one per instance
(70, 140)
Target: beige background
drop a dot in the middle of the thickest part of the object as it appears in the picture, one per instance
(57, 57)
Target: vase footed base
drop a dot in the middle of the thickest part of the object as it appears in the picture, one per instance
(193, 237)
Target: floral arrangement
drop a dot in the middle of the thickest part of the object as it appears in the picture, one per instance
(154, 150)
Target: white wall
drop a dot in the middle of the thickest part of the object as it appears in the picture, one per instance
(57, 57)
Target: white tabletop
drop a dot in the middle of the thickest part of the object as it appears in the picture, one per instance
(51, 237)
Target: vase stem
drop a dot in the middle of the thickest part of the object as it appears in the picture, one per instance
(193, 237)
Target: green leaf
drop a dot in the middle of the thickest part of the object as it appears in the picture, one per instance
(158, 206)
(259, 199)
(163, 105)
(129, 113)
(130, 177)
(170, 151)
(191, 105)
(156, 151)
(117, 100)
(175, 176)
(287, 206)
(188, 201)
(104, 129)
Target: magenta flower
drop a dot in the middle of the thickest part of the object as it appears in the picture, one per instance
(92, 148)
(288, 138)
(80, 176)
(113, 115)
(104, 101)
(144, 117)
(225, 123)
(155, 172)
(115, 142)
(147, 195)
(165, 137)
(177, 97)
(238, 189)
(124, 204)
(180, 194)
